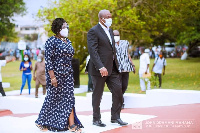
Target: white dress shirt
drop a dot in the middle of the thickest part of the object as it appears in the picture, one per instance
(107, 32)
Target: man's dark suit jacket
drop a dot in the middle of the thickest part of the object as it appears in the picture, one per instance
(101, 50)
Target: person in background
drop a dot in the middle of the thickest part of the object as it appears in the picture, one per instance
(37, 51)
(11, 52)
(26, 67)
(39, 75)
(3, 63)
(159, 67)
(124, 59)
(144, 69)
(90, 85)
(156, 53)
(27, 52)
(17, 54)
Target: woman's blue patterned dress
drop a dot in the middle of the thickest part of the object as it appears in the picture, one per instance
(60, 100)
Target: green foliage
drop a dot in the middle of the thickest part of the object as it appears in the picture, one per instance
(154, 80)
(11, 37)
(7, 11)
(81, 15)
(142, 22)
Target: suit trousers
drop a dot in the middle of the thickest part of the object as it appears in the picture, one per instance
(114, 85)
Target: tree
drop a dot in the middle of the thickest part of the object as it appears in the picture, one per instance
(81, 15)
(7, 11)
(142, 22)
(190, 19)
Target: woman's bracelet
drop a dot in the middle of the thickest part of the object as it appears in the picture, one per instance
(53, 79)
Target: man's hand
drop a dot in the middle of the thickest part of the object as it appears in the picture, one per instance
(13, 59)
(146, 72)
(103, 72)
(134, 71)
(34, 78)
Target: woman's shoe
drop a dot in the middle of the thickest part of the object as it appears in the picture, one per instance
(42, 128)
(74, 128)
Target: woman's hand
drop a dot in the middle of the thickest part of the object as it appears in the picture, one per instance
(23, 69)
(54, 82)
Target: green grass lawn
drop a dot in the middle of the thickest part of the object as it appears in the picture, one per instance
(181, 75)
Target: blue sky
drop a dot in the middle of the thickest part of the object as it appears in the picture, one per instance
(32, 8)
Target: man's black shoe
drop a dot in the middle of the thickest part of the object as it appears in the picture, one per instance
(99, 123)
(119, 121)
(123, 106)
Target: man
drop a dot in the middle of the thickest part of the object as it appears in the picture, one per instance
(144, 69)
(103, 67)
(3, 63)
(159, 66)
(124, 60)
(39, 78)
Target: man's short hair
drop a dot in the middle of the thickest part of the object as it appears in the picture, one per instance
(102, 13)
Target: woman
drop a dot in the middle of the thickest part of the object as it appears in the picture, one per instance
(58, 111)
(26, 67)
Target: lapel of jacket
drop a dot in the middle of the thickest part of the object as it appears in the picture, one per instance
(104, 34)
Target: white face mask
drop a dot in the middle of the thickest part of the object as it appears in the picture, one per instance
(108, 22)
(25, 58)
(64, 32)
(39, 60)
(117, 38)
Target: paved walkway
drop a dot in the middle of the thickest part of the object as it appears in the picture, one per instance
(18, 113)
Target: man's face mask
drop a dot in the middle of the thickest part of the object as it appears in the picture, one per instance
(39, 60)
(108, 22)
(117, 38)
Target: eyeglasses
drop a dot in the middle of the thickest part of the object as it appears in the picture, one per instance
(65, 25)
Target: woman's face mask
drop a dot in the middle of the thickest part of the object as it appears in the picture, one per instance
(64, 32)
(25, 58)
